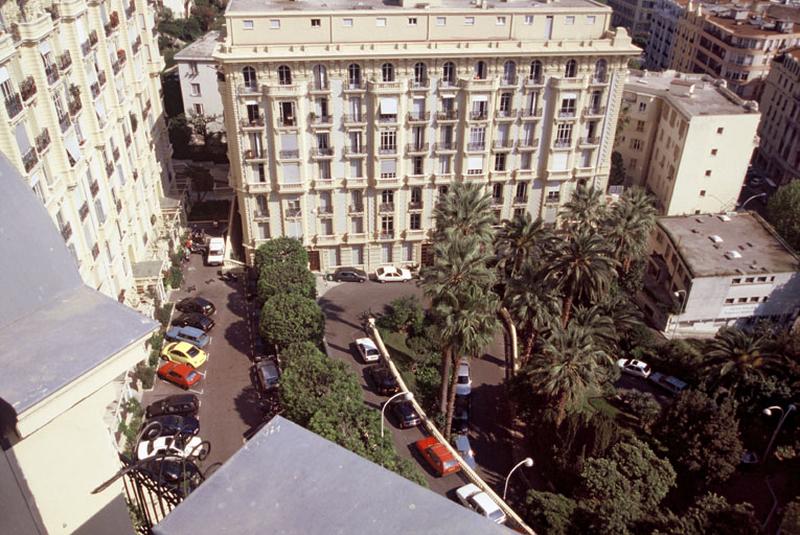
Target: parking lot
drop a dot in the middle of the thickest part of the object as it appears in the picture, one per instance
(344, 303)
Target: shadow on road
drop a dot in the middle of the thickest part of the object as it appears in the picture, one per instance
(249, 407)
(238, 336)
(488, 432)
(333, 312)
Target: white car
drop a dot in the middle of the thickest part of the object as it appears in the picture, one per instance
(368, 350)
(472, 497)
(392, 274)
(634, 367)
(464, 381)
(168, 445)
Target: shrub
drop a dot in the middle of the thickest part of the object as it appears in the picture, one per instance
(145, 374)
(286, 277)
(643, 405)
(281, 250)
(403, 314)
(175, 277)
(163, 314)
(288, 318)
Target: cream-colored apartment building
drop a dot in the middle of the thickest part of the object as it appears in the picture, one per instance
(634, 15)
(687, 139)
(731, 42)
(779, 153)
(345, 121)
(83, 123)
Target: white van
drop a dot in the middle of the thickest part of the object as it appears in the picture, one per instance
(216, 252)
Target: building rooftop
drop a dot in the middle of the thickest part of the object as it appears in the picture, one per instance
(747, 23)
(266, 6)
(740, 243)
(202, 49)
(694, 94)
(53, 328)
(286, 479)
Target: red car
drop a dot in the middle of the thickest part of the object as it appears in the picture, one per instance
(438, 456)
(182, 375)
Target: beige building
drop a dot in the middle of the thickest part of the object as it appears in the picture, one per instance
(83, 123)
(345, 122)
(708, 271)
(733, 43)
(687, 139)
(634, 15)
(197, 74)
(779, 152)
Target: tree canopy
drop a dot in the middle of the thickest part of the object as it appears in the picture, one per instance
(280, 250)
(783, 211)
(291, 317)
(286, 277)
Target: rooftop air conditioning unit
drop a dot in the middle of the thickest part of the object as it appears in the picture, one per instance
(730, 255)
(724, 218)
(715, 238)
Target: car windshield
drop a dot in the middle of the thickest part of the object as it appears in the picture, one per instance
(193, 351)
(372, 351)
(496, 515)
(451, 463)
(463, 379)
(190, 376)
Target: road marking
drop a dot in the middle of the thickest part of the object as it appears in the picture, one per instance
(198, 392)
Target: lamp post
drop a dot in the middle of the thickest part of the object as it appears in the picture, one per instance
(408, 396)
(680, 294)
(756, 196)
(527, 461)
(784, 414)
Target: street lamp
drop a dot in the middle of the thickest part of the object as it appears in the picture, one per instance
(756, 196)
(527, 461)
(408, 396)
(680, 294)
(785, 413)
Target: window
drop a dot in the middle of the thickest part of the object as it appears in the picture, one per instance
(729, 301)
(720, 130)
(262, 175)
(417, 165)
(388, 140)
(736, 281)
(420, 75)
(284, 75)
(713, 152)
(275, 24)
(497, 193)
(469, 21)
(521, 193)
(250, 80)
(500, 162)
(387, 72)
(750, 280)
(702, 193)
(380, 22)
(354, 75)
(590, 19)
(480, 70)
(643, 107)
(195, 90)
(636, 144)
(193, 68)
(347, 23)
(449, 73)
(569, 20)
(412, 21)
(708, 172)
(528, 20)
(415, 221)
(509, 73)
(416, 196)
(600, 71)
(571, 69)
(640, 126)
(742, 300)
(198, 109)
(505, 104)
(536, 71)
(387, 226)
(247, 24)
(441, 21)
(501, 21)
(316, 23)
(564, 134)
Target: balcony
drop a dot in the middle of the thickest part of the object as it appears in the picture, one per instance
(83, 211)
(355, 182)
(74, 105)
(387, 149)
(354, 86)
(521, 199)
(419, 117)
(590, 140)
(52, 73)
(287, 122)
(447, 84)
(417, 148)
(479, 115)
(286, 154)
(355, 120)
(497, 202)
(66, 231)
(65, 61)
(385, 119)
(115, 67)
(293, 212)
(415, 206)
(322, 152)
(252, 122)
(112, 24)
(94, 188)
(146, 109)
(476, 83)
(247, 89)
(30, 159)
(447, 116)
(101, 78)
(508, 81)
(64, 122)
(476, 147)
(536, 81)
(386, 207)
(355, 151)
(529, 115)
(326, 239)
(416, 180)
(503, 145)
(505, 115)
(95, 89)
(320, 120)
(93, 38)
(567, 113)
(115, 153)
(43, 140)
(318, 87)
(599, 80)
(528, 144)
(419, 85)
(86, 47)
(552, 199)
(596, 111)
(109, 169)
(137, 45)
(130, 9)
(386, 235)
(286, 90)
(356, 208)
(382, 86)
(95, 251)
(13, 105)
(128, 140)
(562, 144)
(251, 154)
(444, 146)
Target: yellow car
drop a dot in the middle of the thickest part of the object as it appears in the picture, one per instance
(184, 352)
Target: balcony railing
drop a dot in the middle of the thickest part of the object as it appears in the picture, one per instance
(294, 212)
(386, 207)
(566, 113)
(74, 105)
(95, 251)
(93, 37)
(387, 149)
(252, 122)
(325, 210)
(52, 73)
(137, 45)
(248, 89)
(531, 114)
(101, 78)
(447, 115)
(115, 153)
(83, 211)
(503, 144)
(43, 140)
(95, 89)
(444, 145)
(478, 115)
(66, 231)
(320, 119)
(528, 144)
(109, 169)
(600, 79)
(322, 151)
(420, 116)
(594, 110)
(64, 122)
(505, 114)
(27, 88)
(415, 206)
(115, 67)
(355, 118)
(590, 140)
(29, 159)
(386, 235)
(387, 118)
(94, 188)
(355, 150)
(65, 60)
(447, 83)
(520, 199)
(419, 84)
(288, 154)
(417, 147)
(86, 47)
(508, 81)
(476, 146)
(319, 86)
(534, 80)
(128, 140)
(13, 105)
(287, 121)
(356, 208)
(562, 143)
(354, 85)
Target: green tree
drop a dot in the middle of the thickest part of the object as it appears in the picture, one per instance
(180, 133)
(585, 210)
(286, 277)
(279, 250)
(783, 212)
(630, 223)
(403, 314)
(702, 437)
(201, 182)
(465, 210)
(533, 306)
(582, 269)
(521, 240)
(548, 512)
(642, 405)
(712, 515)
(733, 355)
(790, 525)
(617, 175)
(289, 317)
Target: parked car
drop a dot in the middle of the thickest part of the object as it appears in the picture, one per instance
(267, 374)
(180, 476)
(405, 413)
(194, 336)
(196, 304)
(464, 381)
(184, 353)
(180, 404)
(215, 252)
(193, 319)
(347, 274)
(472, 497)
(368, 350)
(171, 425)
(634, 367)
(173, 446)
(392, 274)
(382, 380)
(180, 374)
(437, 456)
(464, 448)
(461, 420)
(669, 383)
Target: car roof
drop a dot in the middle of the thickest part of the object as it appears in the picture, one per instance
(182, 346)
(485, 502)
(468, 490)
(179, 398)
(367, 342)
(192, 331)
(462, 441)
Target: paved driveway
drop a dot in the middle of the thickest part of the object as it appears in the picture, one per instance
(344, 303)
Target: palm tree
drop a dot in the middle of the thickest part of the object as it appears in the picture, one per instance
(466, 210)
(733, 354)
(572, 365)
(519, 240)
(630, 222)
(582, 269)
(585, 209)
(533, 306)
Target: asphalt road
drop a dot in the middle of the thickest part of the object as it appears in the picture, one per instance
(344, 303)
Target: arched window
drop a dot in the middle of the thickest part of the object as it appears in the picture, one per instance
(284, 75)
(600, 71)
(480, 70)
(536, 72)
(420, 75)
(571, 70)
(354, 75)
(449, 73)
(262, 209)
(509, 73)
(387, 72)
(320, 77)
(250, 81)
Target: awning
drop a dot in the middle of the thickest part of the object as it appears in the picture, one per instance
(3, 74)
(289, 142)
(291, 172)
(44, 48)
(480, 98)
(149, 269)
(419, 105)
(73, 149)
(388, 166)
(388, 105)
(559, 161)
(573, 96)
(81, 30)
(251, 102)
(100, 109)
(475, 162)
(23, 142)
(36, 178)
